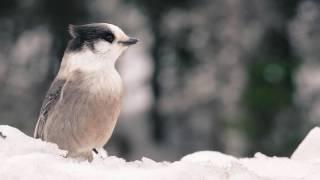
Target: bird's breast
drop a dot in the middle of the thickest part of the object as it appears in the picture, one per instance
(100, 106)
(105, 84)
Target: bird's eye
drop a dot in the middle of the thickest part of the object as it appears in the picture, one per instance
(109, 38)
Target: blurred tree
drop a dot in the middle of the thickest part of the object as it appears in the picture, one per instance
(270, 91)
(27, 57)
(304, 37)
(155, 11)
(58, 15)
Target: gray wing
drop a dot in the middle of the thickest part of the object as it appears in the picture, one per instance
(48, 104)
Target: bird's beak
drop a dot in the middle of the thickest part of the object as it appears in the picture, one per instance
(129, 42)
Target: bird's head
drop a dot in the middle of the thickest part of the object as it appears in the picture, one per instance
(103, 40)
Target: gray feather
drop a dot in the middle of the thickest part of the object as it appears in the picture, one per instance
(48, 104)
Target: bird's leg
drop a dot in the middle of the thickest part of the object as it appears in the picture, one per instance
(89, 156)
(81, 155)
(2, 136)
(100, 152)
(94, 150)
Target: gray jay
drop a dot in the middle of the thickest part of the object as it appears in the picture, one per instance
(82, 105)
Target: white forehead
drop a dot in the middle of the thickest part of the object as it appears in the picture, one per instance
(118, 32)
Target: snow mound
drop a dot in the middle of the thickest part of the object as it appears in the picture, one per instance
(23, 157)
(309, 149)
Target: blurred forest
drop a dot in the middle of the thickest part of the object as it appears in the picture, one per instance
(237, 76)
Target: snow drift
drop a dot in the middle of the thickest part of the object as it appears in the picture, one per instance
(22, 157)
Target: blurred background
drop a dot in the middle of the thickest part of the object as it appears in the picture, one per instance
(236, 76)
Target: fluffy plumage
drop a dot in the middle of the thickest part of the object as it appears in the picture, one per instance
(83, 103)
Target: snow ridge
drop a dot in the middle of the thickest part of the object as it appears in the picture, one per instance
(23, 157)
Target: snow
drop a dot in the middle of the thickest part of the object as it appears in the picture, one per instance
(309, 149)
(22, 157)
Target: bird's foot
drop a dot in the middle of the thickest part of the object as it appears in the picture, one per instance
(83, 156)
(100, 152)
(2, 136)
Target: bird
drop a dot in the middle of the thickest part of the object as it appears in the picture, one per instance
(83, 103)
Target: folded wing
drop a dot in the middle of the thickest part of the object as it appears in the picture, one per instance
(48, 104)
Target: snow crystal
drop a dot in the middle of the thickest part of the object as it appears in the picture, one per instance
(23, 157)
